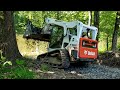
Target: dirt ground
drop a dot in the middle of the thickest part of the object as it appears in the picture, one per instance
(106, 67)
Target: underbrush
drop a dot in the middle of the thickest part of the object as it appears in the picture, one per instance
(17, 71)
(113, 62)
(111, 59)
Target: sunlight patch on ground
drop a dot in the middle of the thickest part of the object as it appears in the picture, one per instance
(31, 48)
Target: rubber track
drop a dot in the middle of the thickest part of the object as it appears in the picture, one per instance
(65, 58)
(65, 63)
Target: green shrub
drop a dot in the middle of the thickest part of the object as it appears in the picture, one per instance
(22, 73)
(18, 71)
(20, 62)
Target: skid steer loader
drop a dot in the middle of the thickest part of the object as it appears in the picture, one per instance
(69, 42)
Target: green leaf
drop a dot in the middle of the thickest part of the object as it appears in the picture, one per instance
(20, 62)
(7, 62)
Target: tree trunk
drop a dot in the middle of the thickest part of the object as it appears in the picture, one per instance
(1, 28)
(96, 22)
(44, 16)
(107, 41)
(58, 15)
(114, 39)
(90, 18)
(9, 48)
(0, 31)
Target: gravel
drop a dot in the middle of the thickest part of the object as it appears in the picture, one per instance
(96, 72)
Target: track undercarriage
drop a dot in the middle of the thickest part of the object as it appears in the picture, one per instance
(57, 58)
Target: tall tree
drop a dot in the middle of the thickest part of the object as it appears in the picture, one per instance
(58, 14)
(44, 16)
(96, 21)
(90, 18)
(1, 26)
(9, 48)
(115, 33)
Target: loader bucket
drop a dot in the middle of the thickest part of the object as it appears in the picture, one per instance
(36, 33)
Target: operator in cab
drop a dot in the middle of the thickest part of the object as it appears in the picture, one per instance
(86, 34)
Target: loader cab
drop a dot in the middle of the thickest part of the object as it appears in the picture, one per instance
(88, 45)
(56, 38)
(89, 31)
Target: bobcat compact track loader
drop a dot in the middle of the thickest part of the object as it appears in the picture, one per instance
(69, 42)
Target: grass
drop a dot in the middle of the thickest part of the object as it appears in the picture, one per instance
(101, 46)
(22, 72)
(18, 71)
(30, 47)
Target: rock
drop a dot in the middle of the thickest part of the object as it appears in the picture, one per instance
(73, 72)
(50, 72)
(79, 74)
(113, 75)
